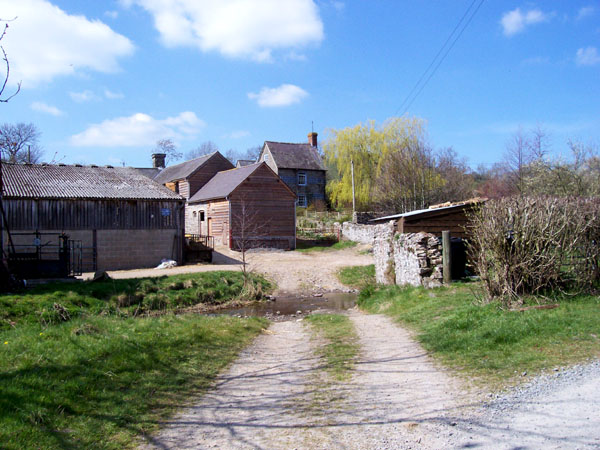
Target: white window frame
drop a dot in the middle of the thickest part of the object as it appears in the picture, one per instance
(266, 157)
(302, 204)
(303, 175)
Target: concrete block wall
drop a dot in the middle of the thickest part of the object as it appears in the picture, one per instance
(192, 222)
(118, 249)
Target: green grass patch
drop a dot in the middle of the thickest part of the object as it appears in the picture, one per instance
(101, 382)
(310, 246)
(486, 341)
(357, 276)
(59, 302)
(340, 346)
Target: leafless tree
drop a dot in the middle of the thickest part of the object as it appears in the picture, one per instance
(19, 143)
(206, 148)
(7, 64)
(168, 147)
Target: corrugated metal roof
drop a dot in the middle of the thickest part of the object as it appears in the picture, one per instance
(295, 156)
(224, 183)
(429, 210)
(185, 169)
(52, 181)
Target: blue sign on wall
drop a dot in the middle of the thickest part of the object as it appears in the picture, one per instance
(165, 212)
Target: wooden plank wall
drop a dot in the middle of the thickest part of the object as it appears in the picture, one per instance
(269, 205)
(218, 213)
(54, 214)
(452, 221)
(205, 173)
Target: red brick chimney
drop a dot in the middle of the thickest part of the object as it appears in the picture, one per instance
(312, 139)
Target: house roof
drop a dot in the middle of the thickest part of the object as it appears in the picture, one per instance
(184, 169)
(224, 183)
(295, 156)
(245, 162)
(149, 172)
(83, 182)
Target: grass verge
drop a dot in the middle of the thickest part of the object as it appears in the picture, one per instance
(341, 346)
(319, 247)
(101, 382)
(58, 302)
(488, 342)
(357, 276)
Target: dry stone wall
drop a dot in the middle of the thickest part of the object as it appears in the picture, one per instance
(364, 234)
(417, 259)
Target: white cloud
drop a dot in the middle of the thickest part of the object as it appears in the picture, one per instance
(84, 96)
(113, 95)
(138, 130)
(111, 14)
(584, 12)
(515, 21)
(45, 42)
(284, 95)
(588, 56)
(47, 109)
(250, 29)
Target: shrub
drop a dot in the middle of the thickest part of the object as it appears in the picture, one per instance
(527, 245)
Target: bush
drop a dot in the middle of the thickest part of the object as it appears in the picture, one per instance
(535, 245)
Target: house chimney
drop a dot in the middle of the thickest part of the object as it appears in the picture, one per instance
(312, 139)
(158, 160)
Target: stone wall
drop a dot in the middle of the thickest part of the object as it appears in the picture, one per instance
(365, 234)
(417, 259)
(407, 259)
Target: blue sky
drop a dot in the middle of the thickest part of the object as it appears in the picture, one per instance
(104, 80)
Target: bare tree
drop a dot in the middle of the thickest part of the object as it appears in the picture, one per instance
(252, 153)
(19, 143)
(168, 147)
(7, 64)
(206, 148)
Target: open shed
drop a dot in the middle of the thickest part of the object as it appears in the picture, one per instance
(119, 218)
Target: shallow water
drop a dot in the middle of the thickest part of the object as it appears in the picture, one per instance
(294, 305)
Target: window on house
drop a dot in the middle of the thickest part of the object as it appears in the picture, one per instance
(301, 179)
(266, 157)
(302, 201)
(201, 216)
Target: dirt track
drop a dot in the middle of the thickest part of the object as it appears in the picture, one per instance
(293, 272)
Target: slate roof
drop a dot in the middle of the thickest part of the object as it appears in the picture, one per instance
(245, 162)
(224, 183)
(295, 156)
(81, 182)
(183, 170)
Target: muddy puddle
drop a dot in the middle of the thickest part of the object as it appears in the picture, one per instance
(285, 307)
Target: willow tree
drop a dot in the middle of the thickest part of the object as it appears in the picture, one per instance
(393, 166)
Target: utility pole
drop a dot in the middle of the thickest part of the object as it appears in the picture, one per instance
(353, 196)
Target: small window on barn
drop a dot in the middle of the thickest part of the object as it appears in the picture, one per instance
(177, 187)
(201, 216)
(302, 201)
(266, 158)
(301, 179)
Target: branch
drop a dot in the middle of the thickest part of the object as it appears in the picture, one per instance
(5, 58)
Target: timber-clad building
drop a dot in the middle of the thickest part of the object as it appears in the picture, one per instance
(122, 218)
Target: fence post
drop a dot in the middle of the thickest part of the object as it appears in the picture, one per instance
(446, 257)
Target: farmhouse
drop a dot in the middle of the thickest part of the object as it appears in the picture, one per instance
(300, 166)
(246, 207)
(114, 217)
(190, 176)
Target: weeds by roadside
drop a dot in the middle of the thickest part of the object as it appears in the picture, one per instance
(340, 346)
(493, 344)
(357, 276)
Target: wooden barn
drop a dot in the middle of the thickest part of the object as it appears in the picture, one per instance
(188, 177)
(246, 207)
(114, 217)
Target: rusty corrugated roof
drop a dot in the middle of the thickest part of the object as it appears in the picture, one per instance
(295, 156)
(63, 181)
